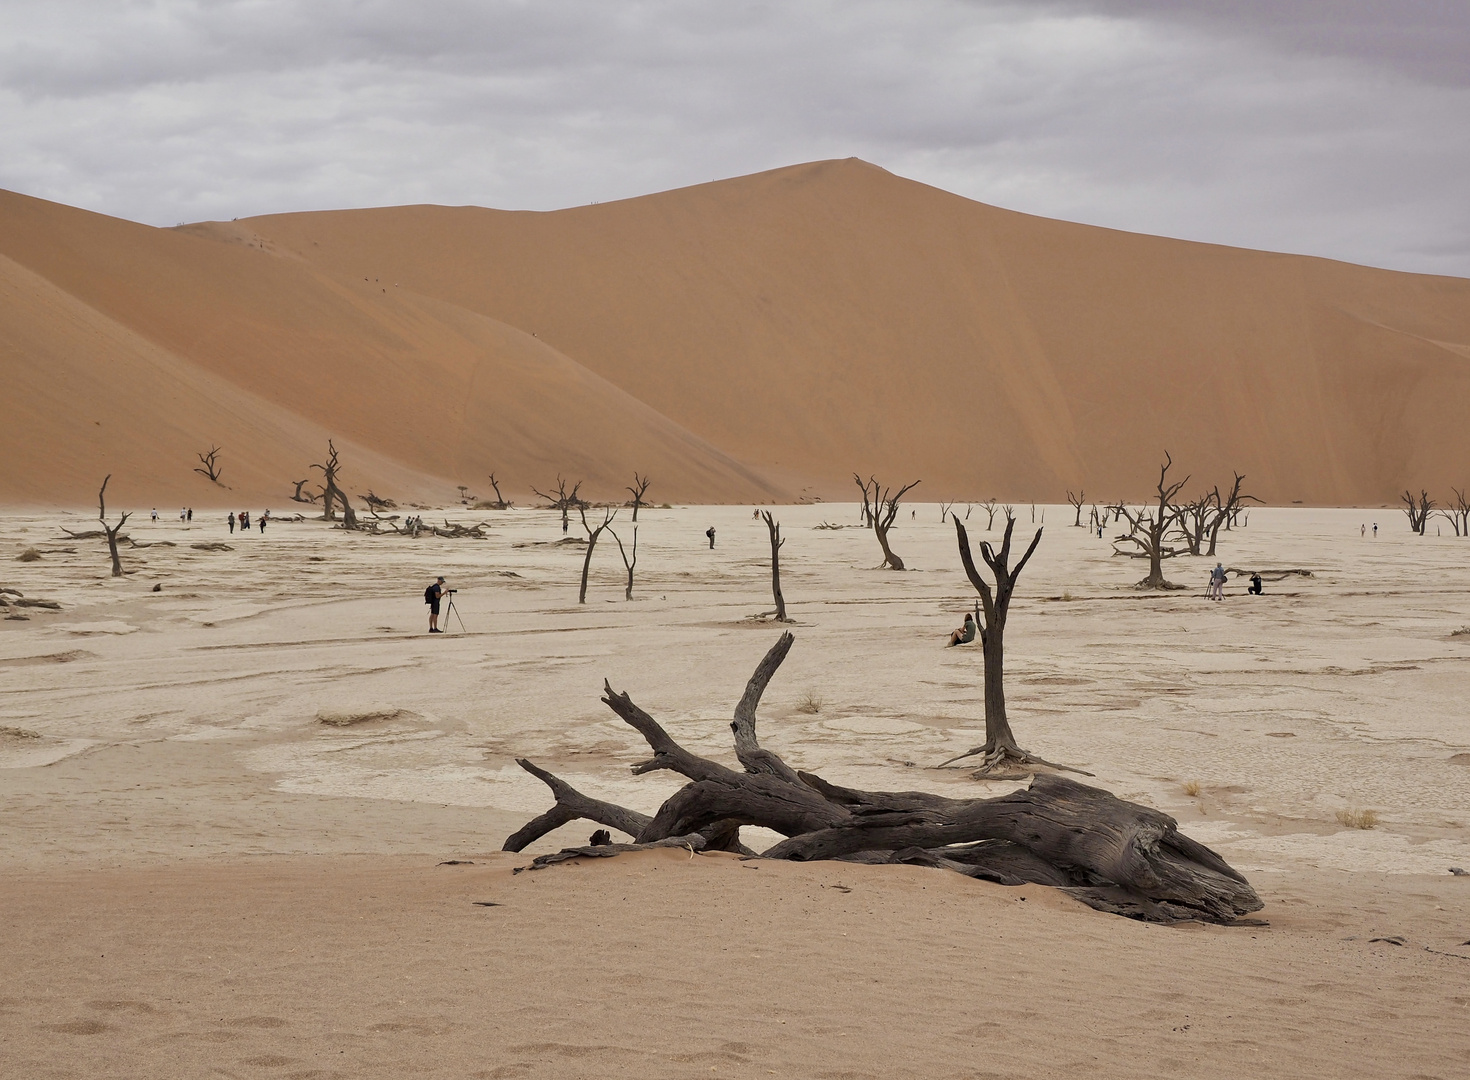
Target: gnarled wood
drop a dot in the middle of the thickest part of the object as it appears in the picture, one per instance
(571, 804)
(1114, 855)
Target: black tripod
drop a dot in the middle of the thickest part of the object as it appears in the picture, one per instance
(450, 610)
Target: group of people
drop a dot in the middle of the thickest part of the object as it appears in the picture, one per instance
(186, 514)
(966, 632)
(243, 520)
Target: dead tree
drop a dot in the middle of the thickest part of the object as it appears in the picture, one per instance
(332, 495)
(638, 490)
(1458, 515)
(867, 506)
(375, 503)
(210, 460)
(1001, 754)
(499, 503)
(944, 510)
(1149, 529)
(1076, 501)
(1418, 513)
(881, 512)
(1112, 855)
(110, 531)
(592, 535)
(298, 496)
(563, 500)
(989, 505)
(629, 562)
(774, 528)
(1228, 509)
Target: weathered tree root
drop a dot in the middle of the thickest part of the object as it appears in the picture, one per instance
(1112, 855)
(1008, 763)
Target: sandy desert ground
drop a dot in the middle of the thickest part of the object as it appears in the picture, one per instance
(201, 878)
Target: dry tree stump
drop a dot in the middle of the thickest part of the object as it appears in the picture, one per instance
(1108, 853)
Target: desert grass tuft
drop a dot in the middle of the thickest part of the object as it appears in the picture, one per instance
(30, 554)
(1192, 788)
(1358, 819)
(809, 703)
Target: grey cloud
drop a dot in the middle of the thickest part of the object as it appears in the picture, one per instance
(1116, 112)
(1424, 40)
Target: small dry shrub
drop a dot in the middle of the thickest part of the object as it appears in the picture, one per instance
(1358, 819)
(1464, 631)
(1192, 788)
(809, 703)
(30, 554)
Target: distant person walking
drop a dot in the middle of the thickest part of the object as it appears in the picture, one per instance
(262, 523)
(155, 515)
(231, 519)
(1217, 583)
(191, 514)
(183, 515)
(1363, 531)
(710, 532)
(1375, 530)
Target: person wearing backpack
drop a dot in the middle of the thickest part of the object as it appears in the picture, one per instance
(431, 597)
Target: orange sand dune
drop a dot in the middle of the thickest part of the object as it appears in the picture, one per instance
(749, 339)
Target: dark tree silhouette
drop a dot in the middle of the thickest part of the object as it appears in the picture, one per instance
(332, 495)
(638, 490)
(1418, 512)
(1076, 501)
(111, 531)
(500, 503)
(210, 460)
(1459, 514)
(298, 496)
(999, 748)
(1228, 509)
(629, 560)
(880, 510)
(1150, 528)
(592, 535)
(563, 500)
(774, 528)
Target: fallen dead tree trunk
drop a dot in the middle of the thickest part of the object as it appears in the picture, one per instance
(1275, 574)
(1111, 854)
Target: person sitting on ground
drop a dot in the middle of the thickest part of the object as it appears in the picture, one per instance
(1255, 584)
(965, 634)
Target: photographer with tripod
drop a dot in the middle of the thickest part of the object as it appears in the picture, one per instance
(432, 595)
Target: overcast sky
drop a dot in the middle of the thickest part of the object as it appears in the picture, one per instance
(1332, 127)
